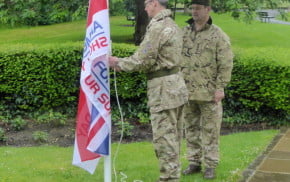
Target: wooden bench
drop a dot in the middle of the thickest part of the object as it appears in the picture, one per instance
(264, 16)
(131, 18)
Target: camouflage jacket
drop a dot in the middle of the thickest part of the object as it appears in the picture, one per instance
(207, 60)
(160, 50)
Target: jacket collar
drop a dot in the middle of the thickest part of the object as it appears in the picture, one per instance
(162, 14)
(207, 25)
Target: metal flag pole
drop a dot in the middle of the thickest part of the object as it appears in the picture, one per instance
(107, 159)
(107, 165)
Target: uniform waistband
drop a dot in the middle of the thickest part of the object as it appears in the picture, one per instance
(161, 73)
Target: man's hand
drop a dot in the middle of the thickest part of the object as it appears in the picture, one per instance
(218, 96)
(113, 63)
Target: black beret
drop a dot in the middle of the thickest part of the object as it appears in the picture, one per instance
(201, 2)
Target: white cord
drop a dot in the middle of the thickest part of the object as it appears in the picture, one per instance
(124, 176)
(122, 122)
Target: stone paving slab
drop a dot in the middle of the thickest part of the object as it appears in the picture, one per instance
(287, 135)
(283, 145)
(270, 177)
(279, 155)
(273, 165)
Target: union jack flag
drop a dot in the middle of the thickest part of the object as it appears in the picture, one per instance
(93, 131)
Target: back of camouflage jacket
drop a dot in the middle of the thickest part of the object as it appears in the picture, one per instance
(159, 50)
(207, 61)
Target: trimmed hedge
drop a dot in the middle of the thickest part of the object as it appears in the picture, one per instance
(40, 78)
(34, 78)
(261, 78)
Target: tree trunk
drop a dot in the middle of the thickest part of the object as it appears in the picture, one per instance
(142, 21)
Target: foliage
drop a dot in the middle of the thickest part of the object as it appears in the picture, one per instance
(45, 79)
(53, 118)
(3, 138)
(261, 78)
(124, 128)
(117, 8)
(53, 163)
(143, 117)
(40, 79)
(243, 9)
(284, 16)
(131, 108)
(40, 136)
(18, 123)
(44, 12)
(130, 6)
(241, 115)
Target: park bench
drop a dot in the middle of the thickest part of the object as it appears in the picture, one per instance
(131, 18)
(264, 16)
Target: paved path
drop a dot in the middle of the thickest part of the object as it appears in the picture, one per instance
(274, 164)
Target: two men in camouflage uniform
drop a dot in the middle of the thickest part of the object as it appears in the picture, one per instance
(207, 66)
(159, 55)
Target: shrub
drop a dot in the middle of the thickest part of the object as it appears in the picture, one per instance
(40, 79)
(40, 136)
(46, 77)
(261, 78)
(143, 117)
(3, 138)
(53, 118)
(124, 128)
(34, 12)
(18, 123)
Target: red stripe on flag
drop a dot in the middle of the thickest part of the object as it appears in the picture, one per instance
(95, 6)
(83, 124)
(95, 129)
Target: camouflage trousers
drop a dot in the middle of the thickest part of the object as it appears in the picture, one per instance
(167, 129)
(202, 130)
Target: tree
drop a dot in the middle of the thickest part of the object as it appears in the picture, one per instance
(41, 12)
(142, 21)
(240, 9)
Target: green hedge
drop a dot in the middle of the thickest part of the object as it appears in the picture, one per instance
(261, 78)
(34, 78)
(39, 77)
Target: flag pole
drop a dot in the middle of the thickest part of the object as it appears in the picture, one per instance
(107, 165)
(107, 159)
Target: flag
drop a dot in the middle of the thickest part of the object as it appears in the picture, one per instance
(93, 130)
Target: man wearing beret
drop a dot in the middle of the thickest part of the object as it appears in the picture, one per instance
(159, 56)
(207, 65)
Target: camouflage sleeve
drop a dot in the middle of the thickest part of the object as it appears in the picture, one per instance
(145, 56)
(224, 62)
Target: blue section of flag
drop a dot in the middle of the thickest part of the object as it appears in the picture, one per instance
(104, 147)
(94, 114)
(105, 85)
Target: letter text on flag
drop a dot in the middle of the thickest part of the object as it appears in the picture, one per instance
(93, 130)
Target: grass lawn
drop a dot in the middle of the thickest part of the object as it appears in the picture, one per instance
(243, 35)
(135, 160)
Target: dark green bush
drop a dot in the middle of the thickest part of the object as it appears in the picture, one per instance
(44, 78)
(261, 78)
(53, 118)
(40, 136)
(3, 137)
(40, 78)
(44, 12)
(18, 123)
